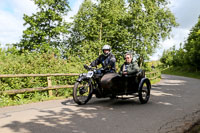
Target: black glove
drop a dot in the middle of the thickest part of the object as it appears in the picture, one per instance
(87, 67)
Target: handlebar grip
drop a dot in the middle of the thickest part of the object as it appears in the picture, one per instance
(87, 67)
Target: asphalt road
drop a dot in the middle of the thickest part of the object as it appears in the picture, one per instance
(174, 105)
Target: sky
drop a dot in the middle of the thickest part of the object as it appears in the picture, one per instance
(11, 20)
(186, 13)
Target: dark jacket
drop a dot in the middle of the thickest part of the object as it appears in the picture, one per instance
(107, 62)
(131, 68)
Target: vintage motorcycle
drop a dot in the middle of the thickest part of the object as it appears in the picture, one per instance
(104, 84)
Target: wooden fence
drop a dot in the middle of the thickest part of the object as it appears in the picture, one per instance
(49, 87)
(154, 75)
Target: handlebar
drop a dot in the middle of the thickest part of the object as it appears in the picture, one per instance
(89, 68)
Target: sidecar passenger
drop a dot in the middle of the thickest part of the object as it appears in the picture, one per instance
(129, 67)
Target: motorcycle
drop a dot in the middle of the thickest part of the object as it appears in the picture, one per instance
(104, 84)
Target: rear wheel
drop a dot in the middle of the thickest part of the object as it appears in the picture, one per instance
(144, 91)
(82, 92)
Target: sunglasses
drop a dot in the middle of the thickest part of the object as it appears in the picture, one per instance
(127, 58)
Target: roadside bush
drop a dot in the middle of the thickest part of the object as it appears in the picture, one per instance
(35, 63)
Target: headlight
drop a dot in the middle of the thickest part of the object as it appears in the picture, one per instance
(89, 74)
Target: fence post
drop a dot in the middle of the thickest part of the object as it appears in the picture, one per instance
(49, 85)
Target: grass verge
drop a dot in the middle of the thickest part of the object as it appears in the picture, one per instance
(181, 72)
(155, 81)
(14, 102)
(195, 128)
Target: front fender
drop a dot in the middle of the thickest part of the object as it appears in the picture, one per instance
(81, 77)
(142, 81)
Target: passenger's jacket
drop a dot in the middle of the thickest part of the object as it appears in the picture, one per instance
(107, 62)
(131, 68)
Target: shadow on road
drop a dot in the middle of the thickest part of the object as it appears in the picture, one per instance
(74, 119)
(105, 115)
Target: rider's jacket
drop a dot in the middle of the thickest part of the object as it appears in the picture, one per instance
(131, 68)
(107, 62)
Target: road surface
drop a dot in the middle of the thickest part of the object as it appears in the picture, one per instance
(174, 105)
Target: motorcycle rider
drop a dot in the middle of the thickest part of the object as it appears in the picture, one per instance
(129, 67)
(107, 60)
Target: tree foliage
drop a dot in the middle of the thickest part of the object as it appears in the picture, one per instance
(133, 25)
(46, 27)
(148, 23)
(173, 57)
(95, 25)
(192, 46)
(188, 55)
(34, 63)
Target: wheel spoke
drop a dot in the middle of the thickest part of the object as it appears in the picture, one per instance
(144, 91)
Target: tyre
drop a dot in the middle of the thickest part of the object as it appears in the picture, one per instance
(113, 97)
(144, 91)
(82, 92)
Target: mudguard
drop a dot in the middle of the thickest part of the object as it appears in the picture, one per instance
(141, 82)
(82, 77)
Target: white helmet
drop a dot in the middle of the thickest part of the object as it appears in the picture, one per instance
(106, 47)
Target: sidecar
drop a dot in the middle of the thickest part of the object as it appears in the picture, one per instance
(115, 86)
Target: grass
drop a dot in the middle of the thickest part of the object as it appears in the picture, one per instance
(26, 98)
(195, 128)
(155, 81)
(181, 72)
(13, 102)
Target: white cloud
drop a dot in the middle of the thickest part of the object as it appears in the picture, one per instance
(24, 6)
(11, 19)
(178, 35)
(75, 8)
(186, 13)
(10, 28)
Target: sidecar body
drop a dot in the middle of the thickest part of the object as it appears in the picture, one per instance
(114, 85)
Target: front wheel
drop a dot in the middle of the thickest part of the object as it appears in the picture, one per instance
(82, 92)
(144, 91)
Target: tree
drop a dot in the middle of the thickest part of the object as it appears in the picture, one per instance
(187, 56)
(134, 25)
(192, 47)
(84, 31)
(167, 57)
(96, 25)
(46, 27)
(178, 56)
(148, 23)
